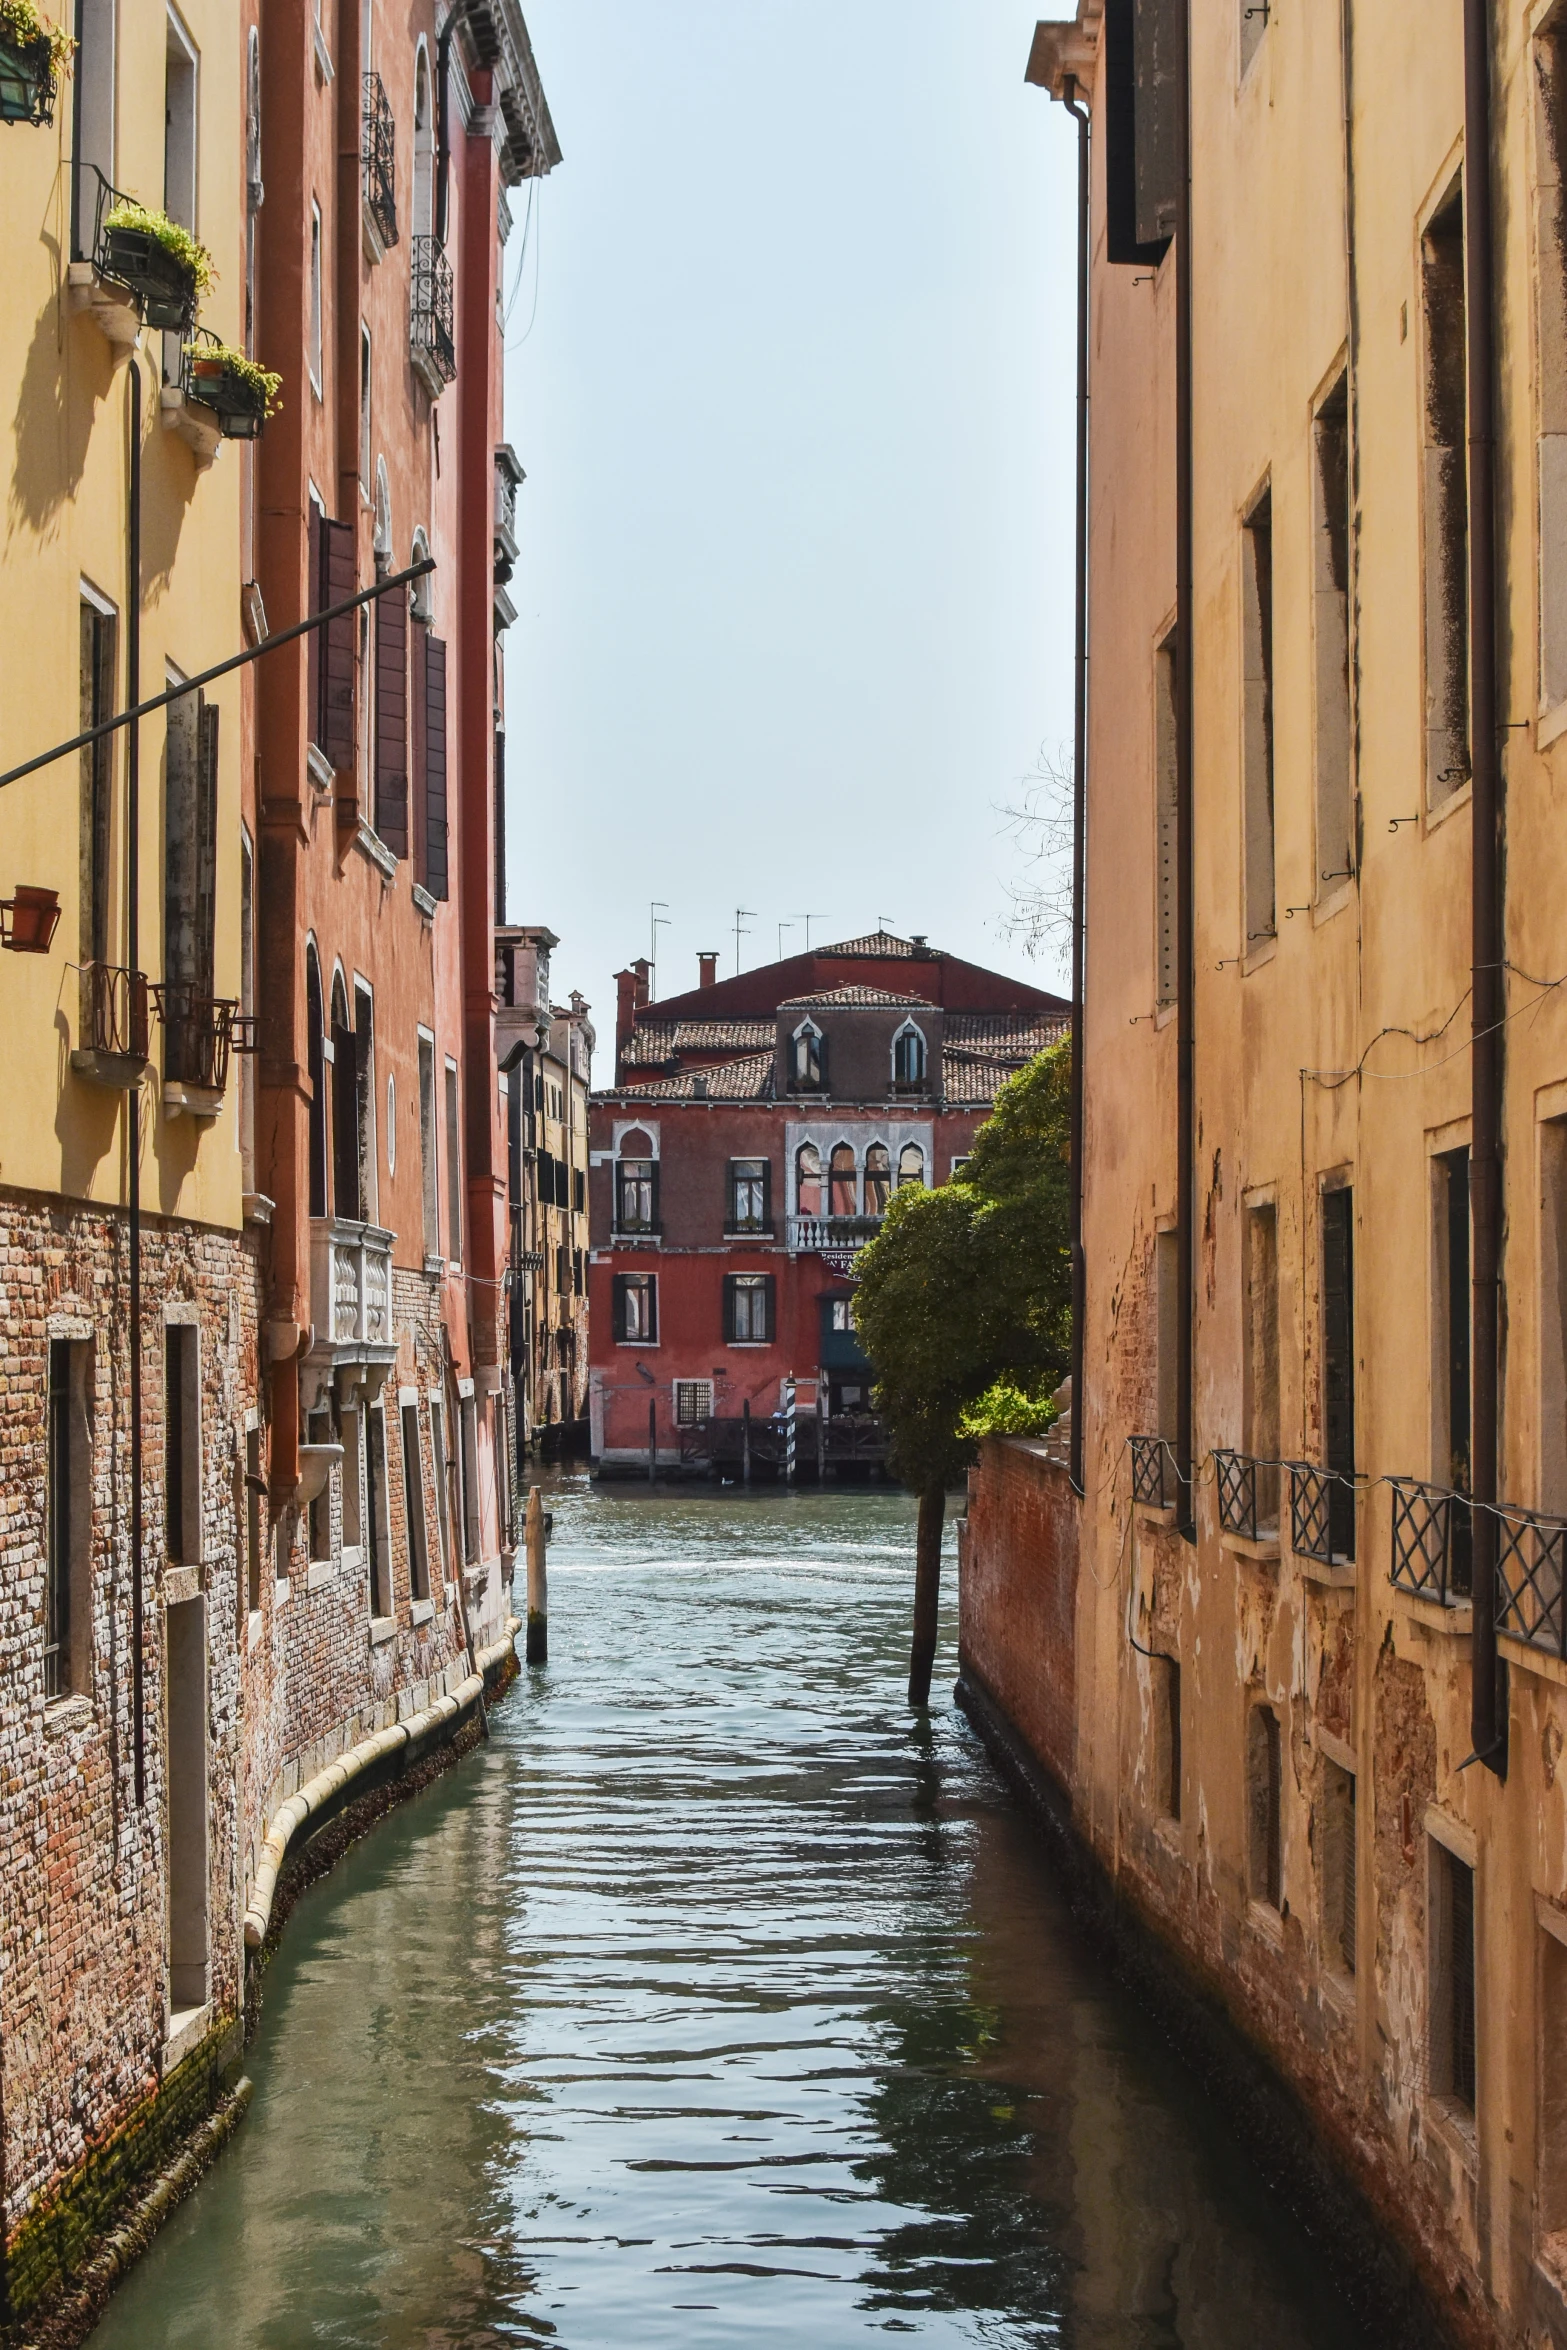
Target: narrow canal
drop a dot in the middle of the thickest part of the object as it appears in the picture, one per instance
(716, 2001)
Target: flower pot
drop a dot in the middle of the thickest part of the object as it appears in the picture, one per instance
(26, 82)
(164, 285)
(34, 914)
(240, 408)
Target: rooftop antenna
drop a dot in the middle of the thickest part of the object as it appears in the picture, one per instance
(655, 923)
(807, 919)
(884, 922)
(782, 927)
(742, 913)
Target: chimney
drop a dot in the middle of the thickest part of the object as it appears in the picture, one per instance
(707, 967)
(625, 1010)
(641, 968)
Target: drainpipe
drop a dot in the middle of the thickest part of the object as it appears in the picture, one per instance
(1079, 115)
(1186, 979)
(1488, 1704)
(132, 1093)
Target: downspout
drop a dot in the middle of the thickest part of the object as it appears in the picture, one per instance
(1488, 1707)
(132, 1094)
(1186, 977)
(1079, 115)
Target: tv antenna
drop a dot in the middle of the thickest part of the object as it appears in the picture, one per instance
(655, 923)
(742, 914)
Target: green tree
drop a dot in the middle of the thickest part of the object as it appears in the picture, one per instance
(967, 1289)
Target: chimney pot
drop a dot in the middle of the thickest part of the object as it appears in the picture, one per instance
(641, 968)
(707, 967)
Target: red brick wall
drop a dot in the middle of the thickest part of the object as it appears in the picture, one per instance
(1017, 1594)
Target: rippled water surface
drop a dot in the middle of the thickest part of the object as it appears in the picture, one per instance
(718, 2000)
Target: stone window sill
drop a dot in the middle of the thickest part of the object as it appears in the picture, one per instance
(1265, 1550)
(370, 844)
(422, 1611)
(255, 1624)
(187, 2026)
(1153, 1513)
(67, 1713)
(282, 1591)
(1266, 1923)
(1340, 1576)
(1435, 1620)
(382, 1629)
(423, 900)
(1454, 2125)
(319, 1574)
(180, 1584)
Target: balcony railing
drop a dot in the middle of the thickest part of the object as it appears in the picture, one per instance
(816, 1233)
(508, 479)
(1248, 1491)
(1322, 1514)
(1432, 1547)
(351, 1285)
(378, 159)
(430, 330)
(1530, 1554)
(114, 1025)
(1151, 1467)
(199, 1033)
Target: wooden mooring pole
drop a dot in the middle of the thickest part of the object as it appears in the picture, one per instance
(745, 1441)
(536, 1646)
(652, 1444)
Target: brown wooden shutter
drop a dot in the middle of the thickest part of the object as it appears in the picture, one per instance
(435, 857)
(182, 760)
(339, 578)
(345, 1123)
(391, 720)
(417, 817)
(316, 564)
(206, 845)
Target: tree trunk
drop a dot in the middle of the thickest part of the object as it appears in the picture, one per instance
(927, 1591)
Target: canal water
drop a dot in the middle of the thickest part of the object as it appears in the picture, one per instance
(717, 2001)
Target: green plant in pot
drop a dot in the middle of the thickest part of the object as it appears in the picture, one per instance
(163, 264)
(35, 57)
(241, 393)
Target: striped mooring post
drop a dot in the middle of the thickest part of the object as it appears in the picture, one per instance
(789, 1430)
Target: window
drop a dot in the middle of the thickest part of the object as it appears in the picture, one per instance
(1553, 1317)
(388, 725)
(693, 1402)
(808, 1180)
(377, 1521)
(68, 1635)
(1451, 1977)
(1166, 876)
(840, 1313)
(1257, 727)
(314, 354)
(364, 1098)
(441, 1472)
(501, 1446)
(1551, 2008)
(319, 1430)
(1261, 1360)
(364, 412)
(413, 1502)
(351, 1429)
(1167, 1328)
(1445, 501)
(748, 1200)
(93, 79)
(255, 191)
(424, 147)
(315, 1062)
(843, 1186)
(748, 1308)
(1550, 56)
(1165, 1689)
(187, 1798)
(179, 126)
(1264, 1793)
(247, 1005)
(636, 1309)
(255, 1494)
(636, 1183)
(911, 1165)
(878, 1179)
(190, 885)
(807, 1059)
(453, 1167)
(1338, 1362)
(1451, 1319)
(468, 1439)
(1338, 1867)
(428, 1154)
(908, 1057)
(1330, 600)
(181, 1445)
(97, 773)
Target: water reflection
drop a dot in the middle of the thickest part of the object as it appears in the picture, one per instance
(715, 2001)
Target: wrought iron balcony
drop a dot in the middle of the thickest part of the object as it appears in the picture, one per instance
(508, 480)
(1432, 1546)
(199, 1033)
(431, 335)
(378, 161)
(114, 1025)
(1248, 1492)
(1530, 1554)
(1152, 1471)
(1322, 1514)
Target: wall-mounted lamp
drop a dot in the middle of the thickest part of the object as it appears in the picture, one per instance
(29, 920)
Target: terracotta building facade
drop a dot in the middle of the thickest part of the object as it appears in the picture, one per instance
(748, 1149)
(1281, 1626)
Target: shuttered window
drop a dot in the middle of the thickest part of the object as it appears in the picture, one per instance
(1338, 1360)
(336, 578)
(391, 721)
(1141, 128)
(1264, 1791)
(429, 760)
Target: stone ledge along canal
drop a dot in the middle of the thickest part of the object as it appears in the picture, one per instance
(717, 2000)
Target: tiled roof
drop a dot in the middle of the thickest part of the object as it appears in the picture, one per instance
(747, 1080)
(967, 1081)
(1025, 1033)
(858, 995)
(655, 1040)
(875, 942)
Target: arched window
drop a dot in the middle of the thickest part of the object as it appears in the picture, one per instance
(383, 517)
(424, 147)
(423, 598)
(842, 1187)
(911, 1164)
(636, 1183)
(908, 1056)
(345, 1108)
(806, 1058)
(315, 1063)
(807, 1180)
(878, 1179)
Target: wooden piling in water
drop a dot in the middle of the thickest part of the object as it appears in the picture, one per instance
(536, 1645)
(652, 1443)
(745, 1441)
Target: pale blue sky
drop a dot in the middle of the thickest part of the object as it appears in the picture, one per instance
(795, 406)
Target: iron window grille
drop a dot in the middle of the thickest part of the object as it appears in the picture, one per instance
(378, 158)
(1248, 1491)
(1431, 1541)
(200, 1032)
(1322, 1514)
(115, 1010)
(1530, 1555)
(1149, 1454)
(430, 328)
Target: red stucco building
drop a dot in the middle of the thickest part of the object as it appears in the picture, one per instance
(755, 1132)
